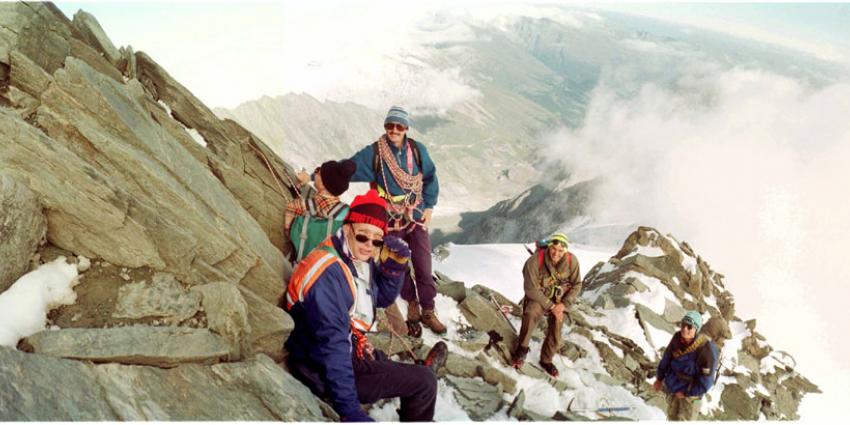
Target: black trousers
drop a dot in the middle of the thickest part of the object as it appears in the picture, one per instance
(382, 378)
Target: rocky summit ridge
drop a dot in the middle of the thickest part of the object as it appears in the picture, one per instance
(172, 217)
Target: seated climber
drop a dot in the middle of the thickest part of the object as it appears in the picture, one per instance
(552, 283)
(313, 211)
(319, 213)
(332, 296)
(686, 370)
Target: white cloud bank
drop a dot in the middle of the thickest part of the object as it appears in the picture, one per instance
(752, 169)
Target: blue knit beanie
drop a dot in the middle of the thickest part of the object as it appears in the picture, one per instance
(397, 114)
(694, 318)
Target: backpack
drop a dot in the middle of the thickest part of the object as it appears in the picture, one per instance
(309, 230)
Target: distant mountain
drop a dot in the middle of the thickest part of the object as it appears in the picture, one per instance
(530, 77)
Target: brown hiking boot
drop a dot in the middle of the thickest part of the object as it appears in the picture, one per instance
(414, 314)
(549, 368)
(429, 319)
(519, 357)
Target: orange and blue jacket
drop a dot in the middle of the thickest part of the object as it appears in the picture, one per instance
(321, 299)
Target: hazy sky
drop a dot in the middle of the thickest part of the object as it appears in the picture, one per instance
(229, 52)
(226, 53)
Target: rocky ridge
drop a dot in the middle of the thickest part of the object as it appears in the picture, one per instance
(104, 156)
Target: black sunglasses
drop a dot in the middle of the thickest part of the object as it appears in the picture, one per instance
(687, 326)
(377, 243)
(397, 126)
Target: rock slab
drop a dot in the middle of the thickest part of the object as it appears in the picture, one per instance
(132, 345)
(34, 387)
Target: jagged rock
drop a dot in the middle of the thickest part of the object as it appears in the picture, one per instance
(572, 351)
(477, 398)
(486, 292)
(462, 366)
(483, 315)
(27, 75)
(613, 363)
(392, 345)
(127, 63)
(604, 302)
(162, 297)
(673, 313)
(94, 35)
(472, 339)
(453, 290)
(516, 410)
(718, 329)
(38, 30)
(755, 348)
(270, 326)
(43, 388)
(227, 315)
(88, 55)
(652, 318)
(22, 226)
(569, 417)
(136, 345)
(737, 405)
(239, 160)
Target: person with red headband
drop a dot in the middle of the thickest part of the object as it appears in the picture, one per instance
(332, 296)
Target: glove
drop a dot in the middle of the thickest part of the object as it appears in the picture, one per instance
(394, 257)
(358, 416)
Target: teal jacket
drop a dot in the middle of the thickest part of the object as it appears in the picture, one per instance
(430, 187)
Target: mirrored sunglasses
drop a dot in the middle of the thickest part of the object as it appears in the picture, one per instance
(396, 126)
(377, 243)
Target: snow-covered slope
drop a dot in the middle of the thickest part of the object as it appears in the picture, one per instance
(627, 314)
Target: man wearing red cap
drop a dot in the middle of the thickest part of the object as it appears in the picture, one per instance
(332, 296)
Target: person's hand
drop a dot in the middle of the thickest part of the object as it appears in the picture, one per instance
(680, 395)
(657, 385)
(558, 311)
(426, 216)
(359, 416)
(302, 177)
(394, 256)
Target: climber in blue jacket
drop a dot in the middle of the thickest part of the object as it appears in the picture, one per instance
(687, 369)
(332, 296)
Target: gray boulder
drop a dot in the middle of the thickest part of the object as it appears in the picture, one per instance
(93, 34)
(34, 387)
(132, 345)
(483, 315)
(22, 226)
(478, 399)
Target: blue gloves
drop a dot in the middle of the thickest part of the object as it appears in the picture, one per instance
(359, 416)
(394, 257)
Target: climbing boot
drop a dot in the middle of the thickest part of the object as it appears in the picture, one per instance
(436, 358)
(429, 319)
(414, 329)
(519, 357)
(414, 314)
(550, 369)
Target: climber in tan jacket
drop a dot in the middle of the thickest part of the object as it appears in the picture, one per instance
(552, 283)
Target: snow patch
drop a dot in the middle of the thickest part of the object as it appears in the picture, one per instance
(24, 306)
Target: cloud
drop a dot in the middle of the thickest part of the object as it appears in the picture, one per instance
(751, 169)
(378, 54)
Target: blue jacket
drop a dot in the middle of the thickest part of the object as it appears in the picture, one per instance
(322, 334)
(689, 370)
(430, 187)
